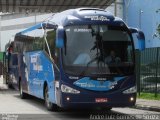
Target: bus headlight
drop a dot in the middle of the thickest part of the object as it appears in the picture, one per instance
(130, 90)
(67, 89)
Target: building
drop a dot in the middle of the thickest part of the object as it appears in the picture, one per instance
(145, 15)
(12, 23)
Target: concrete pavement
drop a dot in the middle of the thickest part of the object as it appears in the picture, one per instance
(2, 85)
(152, 105)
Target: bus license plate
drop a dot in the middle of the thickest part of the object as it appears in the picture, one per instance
(101, 100)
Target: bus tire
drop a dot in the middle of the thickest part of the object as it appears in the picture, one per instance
(49, 105)
(22, 94)
(10, 86)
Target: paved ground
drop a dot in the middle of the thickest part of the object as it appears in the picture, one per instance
(153, 103)
(28, 109)
(10, 102)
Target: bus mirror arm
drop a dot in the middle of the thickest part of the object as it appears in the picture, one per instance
(133, 30)
(140, 34)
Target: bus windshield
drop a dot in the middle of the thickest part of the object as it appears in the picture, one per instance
(96, 50)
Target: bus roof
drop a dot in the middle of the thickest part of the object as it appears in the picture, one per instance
(76, 17)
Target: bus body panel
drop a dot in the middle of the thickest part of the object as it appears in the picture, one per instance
(38, 71)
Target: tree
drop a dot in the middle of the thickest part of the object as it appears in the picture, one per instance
(158, 31)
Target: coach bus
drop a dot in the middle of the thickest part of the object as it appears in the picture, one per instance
(66, 60)
(10, 64)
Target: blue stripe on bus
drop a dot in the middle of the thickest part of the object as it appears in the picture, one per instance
(31, 28)
(96, 85)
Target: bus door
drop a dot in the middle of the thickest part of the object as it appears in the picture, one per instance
(23, 70)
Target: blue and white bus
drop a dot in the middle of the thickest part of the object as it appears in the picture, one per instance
(67, 60)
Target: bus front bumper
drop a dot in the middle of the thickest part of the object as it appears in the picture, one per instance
(117, 99)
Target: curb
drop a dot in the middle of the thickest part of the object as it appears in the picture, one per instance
(145, 107)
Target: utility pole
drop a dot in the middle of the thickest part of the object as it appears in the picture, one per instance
(140, 17)
(139, 58)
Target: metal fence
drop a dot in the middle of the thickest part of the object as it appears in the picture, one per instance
(148, 70)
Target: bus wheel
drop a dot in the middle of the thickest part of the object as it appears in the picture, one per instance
(50, 106)
(9, 82)
(10, 86)
(22, 94)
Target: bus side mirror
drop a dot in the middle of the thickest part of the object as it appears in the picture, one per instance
(140, 37)
(141, 40)
(60, 37)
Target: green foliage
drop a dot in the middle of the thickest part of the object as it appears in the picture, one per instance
(158, 30)
(51, 36)
(1, 56)
(149, 96)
